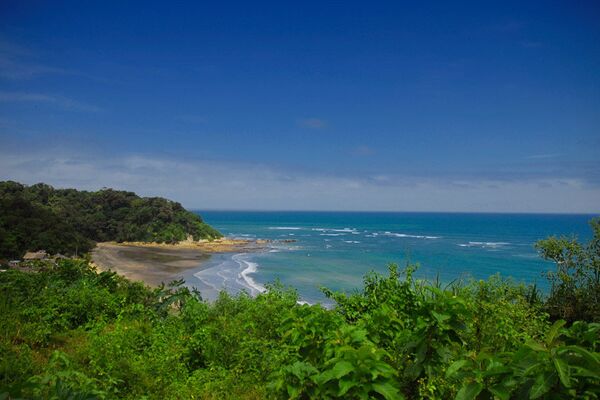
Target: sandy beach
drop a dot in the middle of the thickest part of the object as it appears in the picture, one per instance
(154, 263)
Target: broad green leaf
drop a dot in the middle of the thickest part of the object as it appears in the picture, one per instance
(533, 345)
(454, 367)
(323, 377)
(301, 369)
(554, 331)
(420, 352)
(358, 335)
(543, 383)
(341, 368)
(440, 317)
(345, 385)
(500, 391)
(530, 371)
(586, 373)
(563, 371)
(387, 390)
(293, 392)
(469, 391)
(592, 359)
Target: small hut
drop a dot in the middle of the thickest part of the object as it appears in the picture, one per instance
(35, 255)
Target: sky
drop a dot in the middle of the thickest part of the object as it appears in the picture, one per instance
(397, 106)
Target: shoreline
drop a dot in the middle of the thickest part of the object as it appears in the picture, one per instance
(156, 263)
(222, 245)
(225, 271)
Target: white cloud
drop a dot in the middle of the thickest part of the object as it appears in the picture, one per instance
(218, 185)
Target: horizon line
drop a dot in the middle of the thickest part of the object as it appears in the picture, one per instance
(396, 211)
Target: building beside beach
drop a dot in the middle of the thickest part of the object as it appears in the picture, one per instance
(35, 255)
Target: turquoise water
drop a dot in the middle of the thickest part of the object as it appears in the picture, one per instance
(337, 249)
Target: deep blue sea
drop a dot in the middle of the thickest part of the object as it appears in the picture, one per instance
(336, 249)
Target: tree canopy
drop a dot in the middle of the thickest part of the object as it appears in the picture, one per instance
(40, 217)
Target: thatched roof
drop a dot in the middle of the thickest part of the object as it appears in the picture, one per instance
(35, 255)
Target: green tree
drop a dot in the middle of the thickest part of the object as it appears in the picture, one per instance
(575, 284)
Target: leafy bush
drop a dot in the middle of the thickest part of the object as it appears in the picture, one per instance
(67, 331)
(548, 369)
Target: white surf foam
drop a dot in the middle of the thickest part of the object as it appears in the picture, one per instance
(344, 230)
(248, 268)
(405, 235)
(484, 245)
(232, 274)
(241, 235)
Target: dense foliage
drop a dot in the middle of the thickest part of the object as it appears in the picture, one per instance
(67, 332)
(67, 221)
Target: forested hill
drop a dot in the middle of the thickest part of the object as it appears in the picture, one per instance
(40, 217)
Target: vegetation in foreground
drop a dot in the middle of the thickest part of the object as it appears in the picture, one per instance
(69, 221)
(68, 332)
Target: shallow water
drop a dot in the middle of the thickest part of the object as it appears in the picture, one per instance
(336, 250)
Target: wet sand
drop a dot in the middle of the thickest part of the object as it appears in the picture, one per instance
(155, 263)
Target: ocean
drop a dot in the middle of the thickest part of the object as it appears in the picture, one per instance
(336, 249)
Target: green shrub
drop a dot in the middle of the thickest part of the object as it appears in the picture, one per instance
(548, 369)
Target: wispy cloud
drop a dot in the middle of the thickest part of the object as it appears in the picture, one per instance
(58, 101)
(14, 70)
(18, 62)
(313, 123)
(207, 184)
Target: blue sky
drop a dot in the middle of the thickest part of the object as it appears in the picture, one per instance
(472, 106)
